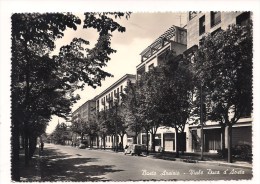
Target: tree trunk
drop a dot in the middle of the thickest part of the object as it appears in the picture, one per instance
(97, 141)
(135, 139)
(32, 146)
(147, 142)
(153, 142)
(26, 148)
(230, 144)
(81, 138)
(122, 142)
(223, 138)
(181, 139)
(136, 134)
(15, 163)
(104, 141)
(112, 140)
(177, 146)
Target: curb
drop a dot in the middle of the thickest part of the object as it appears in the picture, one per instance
(207, 162)
(188, 160)
(226, 164)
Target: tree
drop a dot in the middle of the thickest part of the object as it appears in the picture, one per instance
(149, 103)
(168, 92)
(92, 129)
(79, 127)
(37, 76)
(60, 134)
(224, 66)
(102, 126)
(129, 110)
(175, 97)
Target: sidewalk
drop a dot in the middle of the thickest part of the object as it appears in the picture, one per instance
(32, 172)
(208, 158)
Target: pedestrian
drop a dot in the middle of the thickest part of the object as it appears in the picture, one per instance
(126, 147)
(42, 145)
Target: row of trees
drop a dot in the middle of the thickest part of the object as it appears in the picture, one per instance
(101, 124)
(42, 84)
(212, 82)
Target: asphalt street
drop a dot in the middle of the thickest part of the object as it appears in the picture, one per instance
(65, 163)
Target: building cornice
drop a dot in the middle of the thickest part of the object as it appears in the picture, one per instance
(127, 76)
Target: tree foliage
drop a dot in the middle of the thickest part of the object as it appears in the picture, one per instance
(129, 110)
(224, 67)
(44, 85)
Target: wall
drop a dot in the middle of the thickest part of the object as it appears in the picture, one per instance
(193, 36)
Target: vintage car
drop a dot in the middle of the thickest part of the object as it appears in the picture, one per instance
(134, 149)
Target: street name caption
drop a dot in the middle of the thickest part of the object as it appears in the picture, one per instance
(194, 172)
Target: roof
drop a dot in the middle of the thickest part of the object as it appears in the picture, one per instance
(126, 76)
(165, 37)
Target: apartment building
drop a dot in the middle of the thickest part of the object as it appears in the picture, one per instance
(83, 114)
(174, 39)
(198, 25)
(106, 99)
(184, 41)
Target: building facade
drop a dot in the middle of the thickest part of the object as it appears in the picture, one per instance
(198, 25)
(183, 41)
(106, 99)
(83, 114)
(175, 40)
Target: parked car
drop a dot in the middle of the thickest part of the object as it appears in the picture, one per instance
(134, 149)
(242, 151)
(82, 146)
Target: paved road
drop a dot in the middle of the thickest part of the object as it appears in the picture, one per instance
(65, 163)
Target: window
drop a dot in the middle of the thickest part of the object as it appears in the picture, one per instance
(121, 89)
(215, 18)
(243, 19)
(151, 66)
(202, 25)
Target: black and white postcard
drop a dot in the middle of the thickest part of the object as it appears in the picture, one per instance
(129, 94)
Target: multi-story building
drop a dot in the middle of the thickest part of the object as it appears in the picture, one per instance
(175, 39)
(199, 24)
(84, 113)
(184, 41)
(106, 99)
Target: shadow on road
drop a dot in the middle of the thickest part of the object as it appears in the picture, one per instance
(57, 166)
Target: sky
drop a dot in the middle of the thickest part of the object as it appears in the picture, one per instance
(141, 30)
